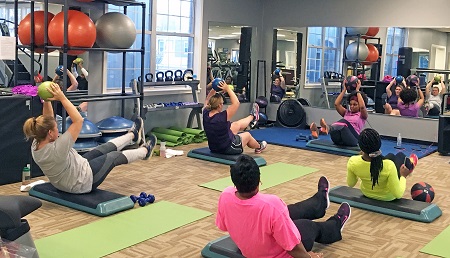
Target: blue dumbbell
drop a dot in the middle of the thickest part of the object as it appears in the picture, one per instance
(143, 201)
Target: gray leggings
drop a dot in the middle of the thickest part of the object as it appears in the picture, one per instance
(102, 160)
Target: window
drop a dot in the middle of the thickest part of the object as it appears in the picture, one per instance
(324, 52)
(172, 35)
(394, 40)
(7, 14)
(133, 60)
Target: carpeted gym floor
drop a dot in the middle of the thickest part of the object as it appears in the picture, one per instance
(176, 180)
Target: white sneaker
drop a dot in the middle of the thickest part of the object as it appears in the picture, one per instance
(262, 146)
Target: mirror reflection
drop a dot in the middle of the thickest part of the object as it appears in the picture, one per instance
(229, 48)
(286, 66)
(375, 55)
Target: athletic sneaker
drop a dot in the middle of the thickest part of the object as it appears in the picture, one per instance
(343, 214)
(323, 126)
(136, 129)
(414, 160)
(150, 145)
(262, 146)
(314, 130)
(324, 186)
(255, 114)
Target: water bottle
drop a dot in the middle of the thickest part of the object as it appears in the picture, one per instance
(26, 176)
(162, 149)
(399, 140)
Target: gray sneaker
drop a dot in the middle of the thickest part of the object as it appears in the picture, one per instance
(255, 114)
(137, 129)
(150, 145)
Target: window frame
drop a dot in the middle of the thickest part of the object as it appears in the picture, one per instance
(153, 33)
(390, 50)
(323, 48)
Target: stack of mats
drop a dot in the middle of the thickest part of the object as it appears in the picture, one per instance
(175, 136)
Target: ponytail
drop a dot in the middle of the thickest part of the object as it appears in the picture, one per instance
(370, 143)
(38, 127)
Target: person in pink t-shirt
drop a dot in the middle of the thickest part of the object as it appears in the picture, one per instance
(262, 225)
(345, 132)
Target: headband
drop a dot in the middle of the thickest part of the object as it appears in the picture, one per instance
(375, 154)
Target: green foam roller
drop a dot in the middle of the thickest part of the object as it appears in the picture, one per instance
(168, 131)
(168, 138)
(189, 130)
(169, 144)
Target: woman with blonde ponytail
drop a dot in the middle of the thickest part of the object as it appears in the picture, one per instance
(65, 168)
(223, 135)
(382, 178)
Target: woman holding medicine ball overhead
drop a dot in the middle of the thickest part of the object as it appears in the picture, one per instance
(223, 134)
(67, 170)
(345, 132)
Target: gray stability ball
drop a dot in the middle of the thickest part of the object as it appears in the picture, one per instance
(115, 30)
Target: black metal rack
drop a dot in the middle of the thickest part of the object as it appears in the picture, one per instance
(65, 48)
(195, 106)
(360, 65)
(356, 64)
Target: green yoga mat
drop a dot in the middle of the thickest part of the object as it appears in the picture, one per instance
(439, 246)
(271, 175)
(111, 234)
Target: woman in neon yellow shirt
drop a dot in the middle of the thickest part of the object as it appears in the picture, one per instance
(382, 178)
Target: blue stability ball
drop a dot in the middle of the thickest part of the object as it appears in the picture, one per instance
(215, 84)
(88, 130)
(114, 124)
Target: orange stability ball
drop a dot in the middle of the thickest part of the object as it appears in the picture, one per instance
(373, 31)
(81, 31)
(373, 53)
(24, 29)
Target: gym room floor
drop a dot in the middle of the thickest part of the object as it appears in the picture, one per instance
(367, 234)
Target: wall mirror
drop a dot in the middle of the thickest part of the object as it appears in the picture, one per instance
(286, 63)
(229, 52)
(324, 55)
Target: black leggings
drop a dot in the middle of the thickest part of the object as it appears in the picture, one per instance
(302, 214)
(102, 160)
(399, 159)
(343, 133)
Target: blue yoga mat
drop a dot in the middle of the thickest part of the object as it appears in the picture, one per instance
(286, 137)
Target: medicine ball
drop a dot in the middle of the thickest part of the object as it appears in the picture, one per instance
(59, 70)
(275, 99)
(412, 80)
(262, 119)
(422, 192)
(437, 78)
(261, 101)
(398, 79)
(351, 83)
(215, 84)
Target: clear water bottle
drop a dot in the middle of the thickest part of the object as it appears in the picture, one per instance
(399, 140)
(162, 149)
(26, 175)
